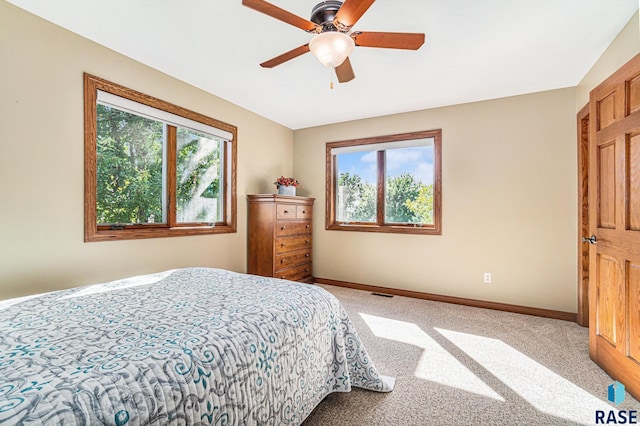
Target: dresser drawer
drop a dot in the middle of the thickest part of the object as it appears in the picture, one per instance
(304, 212)
(293, 258)
(292, 211)
(286, 211)
(285, 228)
(300, 242)
(295, 274)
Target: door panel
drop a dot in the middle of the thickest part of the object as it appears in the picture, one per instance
(607, 294)
(633, 284)
(606, 110)
(607, 185)
(633, 95)
(633, 182)
(614, 261)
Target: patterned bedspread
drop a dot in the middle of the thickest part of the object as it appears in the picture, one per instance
(188, 346)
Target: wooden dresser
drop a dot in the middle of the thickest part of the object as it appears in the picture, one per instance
(279, 236)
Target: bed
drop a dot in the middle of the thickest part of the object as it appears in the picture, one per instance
(187, 346)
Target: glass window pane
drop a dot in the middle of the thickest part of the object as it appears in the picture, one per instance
(129, 168)
(356, 189)
(199, 177)
(409, 185)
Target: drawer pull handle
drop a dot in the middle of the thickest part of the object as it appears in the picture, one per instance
(306, 269)
(283, 228)
(282, 260)
(306, 255)
(304, 212)
(282, 245)
(306, 241)
(286, 212)
(283, 277)
(306, 226)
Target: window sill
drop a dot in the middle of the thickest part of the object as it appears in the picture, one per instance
(93, 235)
(396, 229)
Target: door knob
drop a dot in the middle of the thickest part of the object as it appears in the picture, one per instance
(591, 240)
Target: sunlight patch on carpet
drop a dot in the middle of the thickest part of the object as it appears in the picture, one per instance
(436, 364)
(545, 390)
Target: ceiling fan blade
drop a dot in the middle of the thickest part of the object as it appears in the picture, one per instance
(410, 41)
(350, 12)
(281, 14)
(344, 72)
(287, 56)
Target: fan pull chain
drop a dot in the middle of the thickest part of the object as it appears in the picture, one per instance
(331, 78)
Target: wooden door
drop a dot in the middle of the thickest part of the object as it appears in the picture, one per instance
(614, 210)
(583, 217)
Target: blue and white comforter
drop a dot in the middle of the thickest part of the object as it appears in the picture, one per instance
(189, 346)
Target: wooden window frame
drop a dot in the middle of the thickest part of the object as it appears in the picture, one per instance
(94, 232)
(380, 226)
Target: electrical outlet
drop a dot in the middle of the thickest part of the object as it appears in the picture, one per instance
(487, 278)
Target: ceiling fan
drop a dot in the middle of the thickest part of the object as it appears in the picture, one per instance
(332, 22)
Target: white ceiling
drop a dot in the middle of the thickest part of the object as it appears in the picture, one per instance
(474, 50)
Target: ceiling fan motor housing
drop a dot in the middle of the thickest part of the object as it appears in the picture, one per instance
(323, 14)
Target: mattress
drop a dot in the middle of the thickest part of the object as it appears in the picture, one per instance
(187, 346)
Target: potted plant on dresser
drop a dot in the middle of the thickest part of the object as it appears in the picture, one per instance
(286, 185)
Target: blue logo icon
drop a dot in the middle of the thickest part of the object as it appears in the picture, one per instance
(615, 393)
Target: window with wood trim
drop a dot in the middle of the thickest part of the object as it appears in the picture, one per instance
(386, 184)
(154, 169)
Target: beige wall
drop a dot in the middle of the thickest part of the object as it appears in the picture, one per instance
(624, 47)
(509, 204)
(509, 186)
(41, 162)
(509, 197)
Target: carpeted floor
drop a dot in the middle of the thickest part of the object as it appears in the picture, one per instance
(457, 365)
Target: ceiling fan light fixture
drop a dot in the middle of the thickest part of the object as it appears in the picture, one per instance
(331, 47)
